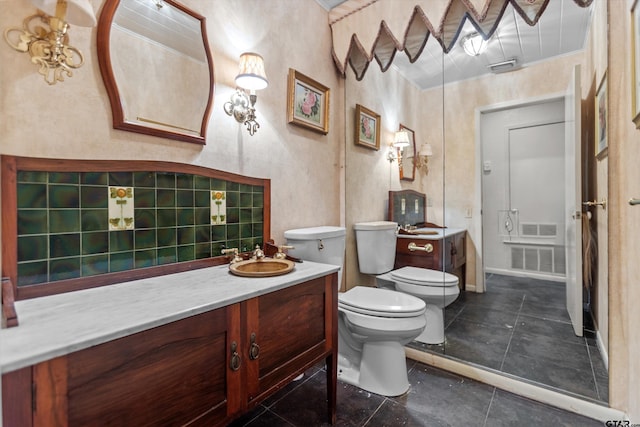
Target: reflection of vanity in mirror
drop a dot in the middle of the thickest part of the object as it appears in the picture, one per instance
(424, 244)
(156, 65)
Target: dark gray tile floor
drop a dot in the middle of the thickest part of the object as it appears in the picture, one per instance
(521, 327)
(435, 398)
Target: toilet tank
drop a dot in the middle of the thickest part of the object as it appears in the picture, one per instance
(376, 246)
(323, 244)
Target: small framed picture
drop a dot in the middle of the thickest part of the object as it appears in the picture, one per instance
(367, 128)
(601, 118)
(307, 102)
(635, 63)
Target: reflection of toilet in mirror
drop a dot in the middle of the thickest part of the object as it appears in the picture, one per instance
(436, 288)
(373, 324)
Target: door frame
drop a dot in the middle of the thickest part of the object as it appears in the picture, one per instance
(476, 224)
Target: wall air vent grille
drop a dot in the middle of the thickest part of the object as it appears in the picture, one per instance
(540, 259)
(539, 230)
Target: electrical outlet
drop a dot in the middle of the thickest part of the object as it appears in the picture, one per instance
(468, 212)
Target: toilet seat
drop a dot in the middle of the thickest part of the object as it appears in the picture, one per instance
(380, 302)
(424, 277)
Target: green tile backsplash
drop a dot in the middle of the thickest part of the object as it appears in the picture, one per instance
(64, 233)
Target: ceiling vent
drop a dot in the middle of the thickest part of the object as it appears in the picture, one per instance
(504, 66)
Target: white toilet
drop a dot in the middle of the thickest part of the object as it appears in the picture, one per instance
(436, 288)
(373, 324)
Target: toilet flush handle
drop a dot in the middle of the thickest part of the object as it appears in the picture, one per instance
(426, 248)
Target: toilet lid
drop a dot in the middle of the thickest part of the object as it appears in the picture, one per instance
(424, 276)
(380, 302)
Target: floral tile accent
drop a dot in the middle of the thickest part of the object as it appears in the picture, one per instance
(121, 208)
(218, 207)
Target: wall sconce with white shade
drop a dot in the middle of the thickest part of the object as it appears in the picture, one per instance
(251, 77)
(44, 36)
(422, 161)
(473, 44)
(400, 140)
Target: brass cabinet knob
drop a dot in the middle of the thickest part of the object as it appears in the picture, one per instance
(254, 349)
(235, 357)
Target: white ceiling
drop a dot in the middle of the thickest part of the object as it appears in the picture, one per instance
(164, 24)
(561, 30)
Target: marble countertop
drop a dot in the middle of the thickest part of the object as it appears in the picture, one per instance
(440, 233)
(56, 325)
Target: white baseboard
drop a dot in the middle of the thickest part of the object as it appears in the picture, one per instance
(512, 385)
(531, 274)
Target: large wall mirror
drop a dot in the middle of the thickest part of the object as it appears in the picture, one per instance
(157, 68)
(511, 321)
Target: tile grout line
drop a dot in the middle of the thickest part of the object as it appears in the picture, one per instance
(486, 416)
(593, 371)
(375, 412)
(515, 324)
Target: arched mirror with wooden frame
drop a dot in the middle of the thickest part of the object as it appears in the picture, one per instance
(407, 156)
(156, 65)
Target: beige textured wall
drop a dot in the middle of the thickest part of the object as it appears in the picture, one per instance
(624, 220)
(369, 175)
(73, 119)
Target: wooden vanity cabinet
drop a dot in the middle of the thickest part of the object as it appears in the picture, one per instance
(204, 370)
(448, 254)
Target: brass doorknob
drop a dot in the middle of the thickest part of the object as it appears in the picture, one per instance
(602, 203)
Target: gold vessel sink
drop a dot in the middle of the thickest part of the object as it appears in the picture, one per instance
(265, 267)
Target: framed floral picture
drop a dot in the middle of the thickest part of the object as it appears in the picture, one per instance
(307, 102)
(635, 63)
(367, 128)
(601, 118)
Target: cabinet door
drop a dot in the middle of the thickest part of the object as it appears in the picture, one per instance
(293, 330)
(16, 398)
(461, 248)
(449, 253)
(170, 375)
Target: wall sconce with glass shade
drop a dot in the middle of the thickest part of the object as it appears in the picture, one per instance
(251, 77)
(473, 44)
(44, 36)
(422, 160)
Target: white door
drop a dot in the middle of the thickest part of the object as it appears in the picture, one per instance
(573, 201)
